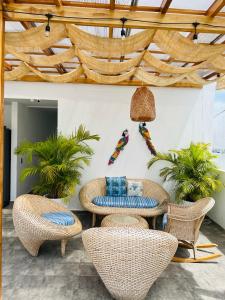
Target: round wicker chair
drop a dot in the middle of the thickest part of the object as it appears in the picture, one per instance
(33, 230)
(96, 188)
(129, 260)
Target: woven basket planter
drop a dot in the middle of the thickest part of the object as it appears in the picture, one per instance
(142, 105)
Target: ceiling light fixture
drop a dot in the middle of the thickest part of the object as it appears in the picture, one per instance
(47, 28)
(123, 32)
(195, 36)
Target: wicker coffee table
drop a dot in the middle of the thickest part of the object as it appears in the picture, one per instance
(120, 220)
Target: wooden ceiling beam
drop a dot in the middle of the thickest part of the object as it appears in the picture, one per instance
(34, 78)
(216, 39)
(117, 6)
(86, 16)
(112, 7)
(210, 75)
(112, 4)
(165, 6)
(99, 57)
(58, 3)
(215, 8)
(44, 67)
(2, 32)
(8, 67)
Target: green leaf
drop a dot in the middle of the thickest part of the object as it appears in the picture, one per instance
(192, 170)
(57, 161)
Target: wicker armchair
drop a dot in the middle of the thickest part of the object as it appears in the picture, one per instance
(129, 260)
(33, 230)
(96, 188)
(184, 222)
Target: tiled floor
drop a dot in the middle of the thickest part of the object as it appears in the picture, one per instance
(49, 276)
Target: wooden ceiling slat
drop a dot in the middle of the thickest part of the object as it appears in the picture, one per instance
(112, 4)
(34, 78)
(90, 14)
(210, 75)
(215, 8)
(58, 2)
(216, 39)
(112, 7)
(117, 6)
(7, 66)
(49, 51)
(165, 6)
(90, 10)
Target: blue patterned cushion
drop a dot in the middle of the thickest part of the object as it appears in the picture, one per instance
(116, 186)
(59, 218)
(125, 202)
(134, 188)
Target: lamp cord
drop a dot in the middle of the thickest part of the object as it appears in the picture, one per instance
(111, 19)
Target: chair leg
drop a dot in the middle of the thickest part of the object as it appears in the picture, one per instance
(31, 245)
(194, 251)
(63, 246)
(93, 219)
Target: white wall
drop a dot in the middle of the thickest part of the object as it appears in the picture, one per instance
(183, 115)
(217, 214)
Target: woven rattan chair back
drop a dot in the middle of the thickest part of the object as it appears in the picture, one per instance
(185, 221)
(129, 260)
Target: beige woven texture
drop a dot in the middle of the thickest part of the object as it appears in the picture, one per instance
(109, 46)
(118, 220)
(129, 260)
(105, 67)
(180, 47)
(34, 39)
(184, 221)
(142, 107)
(87, 45)
(17, 73)
(32, 229)
(67, 77)
(96, 188)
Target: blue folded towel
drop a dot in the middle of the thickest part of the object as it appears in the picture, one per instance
(60, 218)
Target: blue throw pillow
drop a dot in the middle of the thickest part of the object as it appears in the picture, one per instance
(59, 218)
(116, 186)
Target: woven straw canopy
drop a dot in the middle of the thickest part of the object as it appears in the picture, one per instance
(142, 107)
(87, 46)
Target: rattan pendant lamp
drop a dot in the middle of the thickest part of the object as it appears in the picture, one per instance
(142, 107)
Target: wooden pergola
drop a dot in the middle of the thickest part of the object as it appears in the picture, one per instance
(104, 14)
(107, 14)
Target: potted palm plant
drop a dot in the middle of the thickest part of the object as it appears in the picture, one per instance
(57, 163)
(192, 170)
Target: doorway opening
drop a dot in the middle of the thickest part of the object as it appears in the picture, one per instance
(24, 120)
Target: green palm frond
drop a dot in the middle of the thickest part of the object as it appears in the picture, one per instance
(192, 170)
(57, 162)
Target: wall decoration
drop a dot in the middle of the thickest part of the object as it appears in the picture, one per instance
(119, 147)
(142, 107)
(146, 135)
(93, 52)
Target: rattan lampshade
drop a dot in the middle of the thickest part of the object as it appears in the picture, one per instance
(142, 107)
